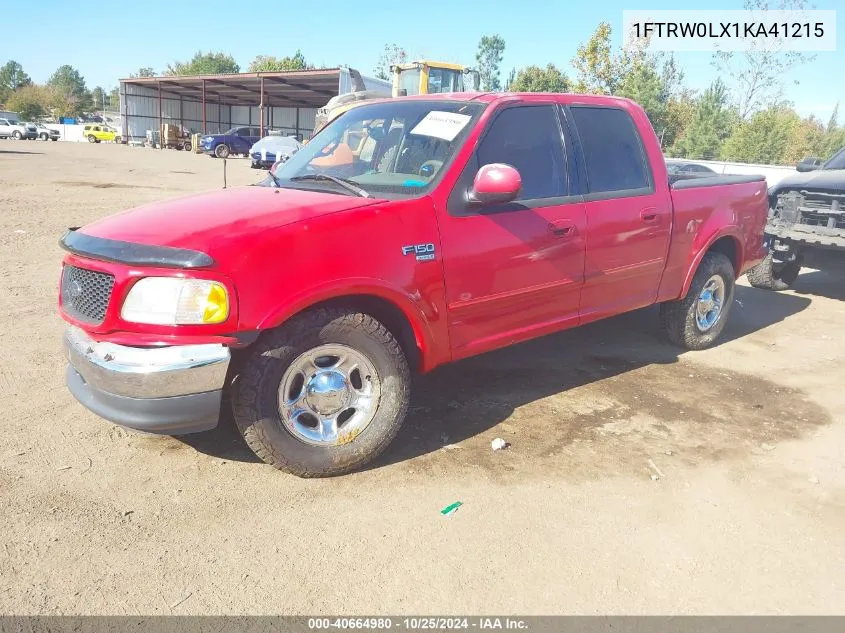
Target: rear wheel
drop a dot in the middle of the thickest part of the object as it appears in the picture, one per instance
(324, 394)
(44, 136)
(697, 320)
(222, 151)
(772, 275)
(187, 146)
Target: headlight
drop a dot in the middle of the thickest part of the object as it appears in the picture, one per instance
(175, 301)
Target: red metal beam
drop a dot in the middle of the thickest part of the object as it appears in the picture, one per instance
(204, 126)
(261, 110)
(160, 143)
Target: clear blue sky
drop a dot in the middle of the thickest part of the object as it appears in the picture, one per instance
(154, 33)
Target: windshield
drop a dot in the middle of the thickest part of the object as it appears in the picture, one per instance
(394, 147)
(837, 161)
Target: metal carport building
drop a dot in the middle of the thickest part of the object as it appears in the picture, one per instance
(283, 101)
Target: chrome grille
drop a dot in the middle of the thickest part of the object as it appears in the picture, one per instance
(86, 293)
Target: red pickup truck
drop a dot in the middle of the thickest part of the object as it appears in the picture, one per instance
(406, 234)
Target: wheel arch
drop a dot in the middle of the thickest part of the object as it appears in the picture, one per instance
(397, 312)
(728, 244)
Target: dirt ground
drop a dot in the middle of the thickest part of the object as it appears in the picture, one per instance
(748, 515)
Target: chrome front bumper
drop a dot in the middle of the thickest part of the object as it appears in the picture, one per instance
(170, 390)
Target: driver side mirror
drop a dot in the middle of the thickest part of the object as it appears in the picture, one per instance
(495, 183)
(808, 164)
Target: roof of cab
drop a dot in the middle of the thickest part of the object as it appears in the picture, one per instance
(491, 97)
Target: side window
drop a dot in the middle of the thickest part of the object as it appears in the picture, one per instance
(529, 139)
(613, 151)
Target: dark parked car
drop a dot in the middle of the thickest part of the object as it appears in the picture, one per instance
(238, 140)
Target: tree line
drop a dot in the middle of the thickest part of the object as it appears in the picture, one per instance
(65, 94)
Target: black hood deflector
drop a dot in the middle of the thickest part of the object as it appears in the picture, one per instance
(132, 254)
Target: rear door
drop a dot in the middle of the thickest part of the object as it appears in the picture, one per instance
(629, 219)
(514, 270)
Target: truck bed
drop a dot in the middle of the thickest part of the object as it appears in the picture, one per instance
(704, 205)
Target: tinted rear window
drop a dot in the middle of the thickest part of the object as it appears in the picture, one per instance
(613, 151)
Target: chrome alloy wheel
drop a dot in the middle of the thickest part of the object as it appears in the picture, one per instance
(328, 395)
(708, 308)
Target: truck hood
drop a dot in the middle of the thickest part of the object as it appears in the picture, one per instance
(827, 180)
(216, 220)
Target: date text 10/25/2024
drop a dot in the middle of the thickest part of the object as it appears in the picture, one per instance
(418, 623)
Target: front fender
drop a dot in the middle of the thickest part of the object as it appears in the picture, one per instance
(410, 305)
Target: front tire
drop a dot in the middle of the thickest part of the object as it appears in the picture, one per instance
(697, 320)
(324, 394)
(17, 135)
(222, 151)
(772, 275)
(92, 138)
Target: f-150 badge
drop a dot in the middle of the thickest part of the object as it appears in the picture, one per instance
(423, 252)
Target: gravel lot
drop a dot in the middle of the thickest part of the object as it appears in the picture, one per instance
(748, 515)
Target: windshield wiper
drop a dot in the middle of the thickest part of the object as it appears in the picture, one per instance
(275, 179)
(343, 182)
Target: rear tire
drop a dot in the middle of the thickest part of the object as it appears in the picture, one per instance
(45, 136)
(222, 151)
(687, 322)
(771, 275)
(277, 437)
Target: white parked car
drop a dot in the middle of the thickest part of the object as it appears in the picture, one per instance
(272, 149)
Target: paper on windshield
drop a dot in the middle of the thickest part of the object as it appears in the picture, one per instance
(445, 125)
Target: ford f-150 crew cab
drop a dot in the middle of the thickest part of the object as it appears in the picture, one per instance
(408, 233)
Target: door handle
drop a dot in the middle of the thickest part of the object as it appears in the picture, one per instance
(649, 216)
(563, 228)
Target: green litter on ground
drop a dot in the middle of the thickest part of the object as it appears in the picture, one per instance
(451, 509)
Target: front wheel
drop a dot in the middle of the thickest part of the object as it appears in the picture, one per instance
(772, 275)
(324, 394)
(17, 135)
(696, 321)
(92, 138)
(222, 151)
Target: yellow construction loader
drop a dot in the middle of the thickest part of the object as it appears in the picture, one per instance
(427, 77)
(414, 78)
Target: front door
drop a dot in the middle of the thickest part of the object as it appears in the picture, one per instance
(514, 271)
